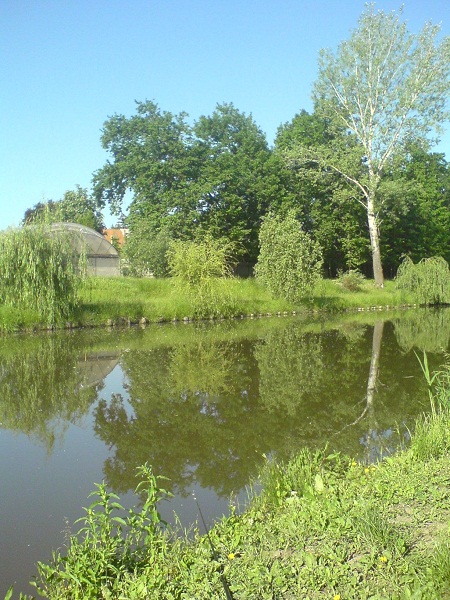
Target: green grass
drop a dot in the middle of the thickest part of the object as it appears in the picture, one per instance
(324, 526)
(330, 296)
(123, 300)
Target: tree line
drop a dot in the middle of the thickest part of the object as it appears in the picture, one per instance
(358, 171)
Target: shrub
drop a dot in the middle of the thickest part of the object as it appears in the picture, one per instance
(290, 262)
(145, 252)
(40, 271)
(428, 280)
(199, 268)
(351, 280)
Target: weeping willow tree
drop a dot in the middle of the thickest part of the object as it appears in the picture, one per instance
(428, 280)
(40, 270)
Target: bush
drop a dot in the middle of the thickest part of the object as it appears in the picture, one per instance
(199, 269)
(351, 280)
(39, 271)
(145, 252)
(290, 262)
(428, 280)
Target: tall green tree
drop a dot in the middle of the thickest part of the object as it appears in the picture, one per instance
(215, 176)
(151, 158)
(322, 199)
(238, 181)
(76, 206)
(386, 87)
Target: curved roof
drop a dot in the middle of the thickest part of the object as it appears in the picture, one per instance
(96, 244)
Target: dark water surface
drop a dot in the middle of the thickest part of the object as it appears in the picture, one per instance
(203, 404)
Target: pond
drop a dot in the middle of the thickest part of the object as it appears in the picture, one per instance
(205, 404)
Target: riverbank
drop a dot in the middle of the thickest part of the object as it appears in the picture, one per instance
(324, 526)
(119, 301)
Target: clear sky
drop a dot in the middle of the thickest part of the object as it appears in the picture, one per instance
(66, 65)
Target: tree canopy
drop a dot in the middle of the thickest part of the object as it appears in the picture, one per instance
(386, 88)
(359, 171)
(216, 175)
(76, 206)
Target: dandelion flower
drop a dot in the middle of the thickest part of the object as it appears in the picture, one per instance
(231, 556)
(383, 559)
(337, 597)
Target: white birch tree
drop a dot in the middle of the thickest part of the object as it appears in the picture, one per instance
(385, 87)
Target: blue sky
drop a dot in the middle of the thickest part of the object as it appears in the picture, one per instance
(69, 64)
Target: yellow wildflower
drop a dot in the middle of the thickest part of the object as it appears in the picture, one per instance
(366, 470)
(383, 559)
(231, 556)
(337, 597)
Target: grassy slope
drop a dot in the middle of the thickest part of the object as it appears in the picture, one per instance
(323, 527)
(120, 300)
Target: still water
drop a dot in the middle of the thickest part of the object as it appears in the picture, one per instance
(204, 404)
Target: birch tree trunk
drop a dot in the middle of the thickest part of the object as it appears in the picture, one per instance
(375, 244)
(371, 388)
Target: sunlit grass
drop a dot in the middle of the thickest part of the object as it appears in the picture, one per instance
(159, 298)
(323, 526)
(121, 300)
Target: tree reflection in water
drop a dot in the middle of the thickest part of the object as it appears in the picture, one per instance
(209, 410)
(205, 405)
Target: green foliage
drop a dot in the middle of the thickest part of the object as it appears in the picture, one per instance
(351, 280)
(322, 198)
(39, 271)
(215, 176)
(199, 269)
(290, 262)
(428, 280)
(76, 206)
(194, 263)
(111, 545)
(416, 208)
(404, 78)
(145, 251)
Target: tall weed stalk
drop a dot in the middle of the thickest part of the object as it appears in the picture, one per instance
(110, 546)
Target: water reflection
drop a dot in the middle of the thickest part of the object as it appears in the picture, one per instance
(207, 410)
(45, 385)
(209, 407)
(203, 404)
(426, 330)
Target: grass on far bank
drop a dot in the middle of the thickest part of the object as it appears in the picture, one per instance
(121, 300)
(324, 526)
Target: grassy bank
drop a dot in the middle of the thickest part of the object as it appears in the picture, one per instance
(120, 300)
(324, 526)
